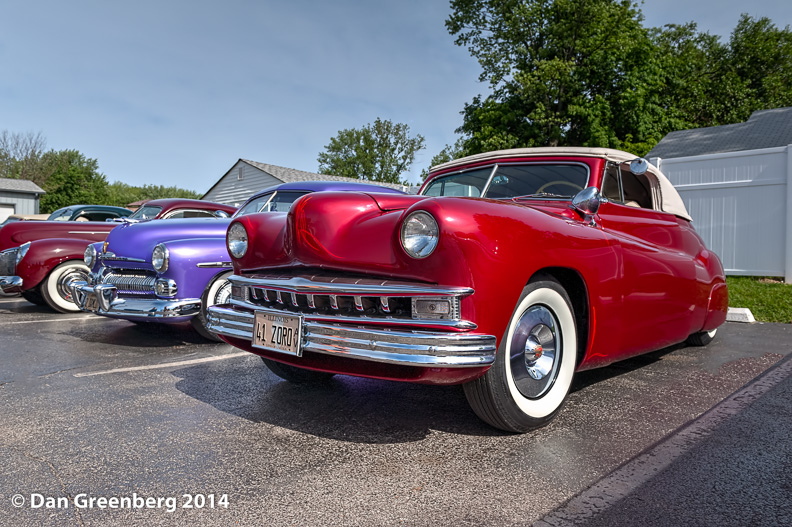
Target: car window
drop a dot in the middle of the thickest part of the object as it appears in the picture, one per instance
(466, 184)
(145, 213)
(621, 186)
(511, 181)
(97, 216)
(60, 215)
(514, 180)
(189, 214)
(279, 201)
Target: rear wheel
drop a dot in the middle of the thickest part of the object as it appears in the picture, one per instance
(296, 375)
(55, 288)
(218, 292)
(530, 379)
(702, 338)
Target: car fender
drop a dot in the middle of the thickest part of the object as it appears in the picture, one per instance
(44, 255)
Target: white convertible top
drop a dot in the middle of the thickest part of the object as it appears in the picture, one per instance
(670, 201)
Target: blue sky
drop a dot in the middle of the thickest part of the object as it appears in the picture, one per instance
(174, 92)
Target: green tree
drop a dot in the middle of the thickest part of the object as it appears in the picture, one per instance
(382, 151)
(448, 153)
(588, 73)
(563, 72)
(74, 179)
(122, 194)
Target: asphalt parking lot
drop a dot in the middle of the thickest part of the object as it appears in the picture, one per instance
(188, 432)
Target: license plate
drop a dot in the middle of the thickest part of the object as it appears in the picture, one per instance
(91, 303)
(276, 331)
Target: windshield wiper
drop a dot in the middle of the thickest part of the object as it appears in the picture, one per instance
(543, 195)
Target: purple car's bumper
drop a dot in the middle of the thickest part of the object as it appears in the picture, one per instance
(103, 299)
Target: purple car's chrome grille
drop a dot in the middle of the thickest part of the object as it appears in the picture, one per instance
(132, 283)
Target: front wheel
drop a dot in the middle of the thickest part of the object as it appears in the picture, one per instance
(530, 379)
(218, 292)
(296, 375)
(55, 287)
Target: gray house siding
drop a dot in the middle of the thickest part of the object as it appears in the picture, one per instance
(234, 190)
(23, 203)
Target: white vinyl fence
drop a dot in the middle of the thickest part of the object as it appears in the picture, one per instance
(741, 205)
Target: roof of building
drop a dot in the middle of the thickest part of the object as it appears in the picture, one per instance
(290, 175)
(20, 185)
(764, 129)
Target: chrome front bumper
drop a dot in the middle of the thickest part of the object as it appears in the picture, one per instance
(103, 299)
(401, 346)
(10, 285)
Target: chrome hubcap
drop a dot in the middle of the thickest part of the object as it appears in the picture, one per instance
(223, 294)
(68, 277)
(535, 352)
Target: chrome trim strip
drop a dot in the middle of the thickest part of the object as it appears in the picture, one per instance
(114, 258)
(361, 287)
(413, 348)
(109, 304)
(214, 264)
(10, 285)
(374, 321)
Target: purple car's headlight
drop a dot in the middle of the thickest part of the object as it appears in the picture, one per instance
(159, 258)
(237, 240)
(90, 256)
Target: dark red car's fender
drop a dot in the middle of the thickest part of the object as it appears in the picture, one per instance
(45, 255)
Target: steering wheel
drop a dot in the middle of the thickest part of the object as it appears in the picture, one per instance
(559, 182)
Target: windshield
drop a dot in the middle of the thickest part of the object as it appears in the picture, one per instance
(273, 202)
(60, 215)
(145, 213)
(511, 181)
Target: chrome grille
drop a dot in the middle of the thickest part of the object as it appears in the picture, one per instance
(131, 283)
(326, 304)
(8, 262)
(351, 299)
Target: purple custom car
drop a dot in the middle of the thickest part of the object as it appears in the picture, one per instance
(172, 271)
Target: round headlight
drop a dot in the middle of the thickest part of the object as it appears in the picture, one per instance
(237, 240)
(419, 234)
(159, 258)
(90, 256)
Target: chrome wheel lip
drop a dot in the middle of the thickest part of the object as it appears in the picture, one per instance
(535, 352)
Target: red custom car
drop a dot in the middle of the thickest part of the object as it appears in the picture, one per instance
(39, 259)
(509, 272)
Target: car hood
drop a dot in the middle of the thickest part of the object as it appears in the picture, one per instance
(137, 240)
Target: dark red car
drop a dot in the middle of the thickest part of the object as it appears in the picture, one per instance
(39, 259)
(509, 272)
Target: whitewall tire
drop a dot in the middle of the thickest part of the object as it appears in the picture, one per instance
(55, 290)
(535, 363)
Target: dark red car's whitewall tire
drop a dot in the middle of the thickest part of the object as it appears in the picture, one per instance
(535, 363)
(55, 287)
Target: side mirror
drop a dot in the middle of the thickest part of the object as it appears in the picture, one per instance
(221, 214)
(639, 166)
(588, 201)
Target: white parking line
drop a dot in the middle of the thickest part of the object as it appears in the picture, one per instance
(621, 482)
(165, 365)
